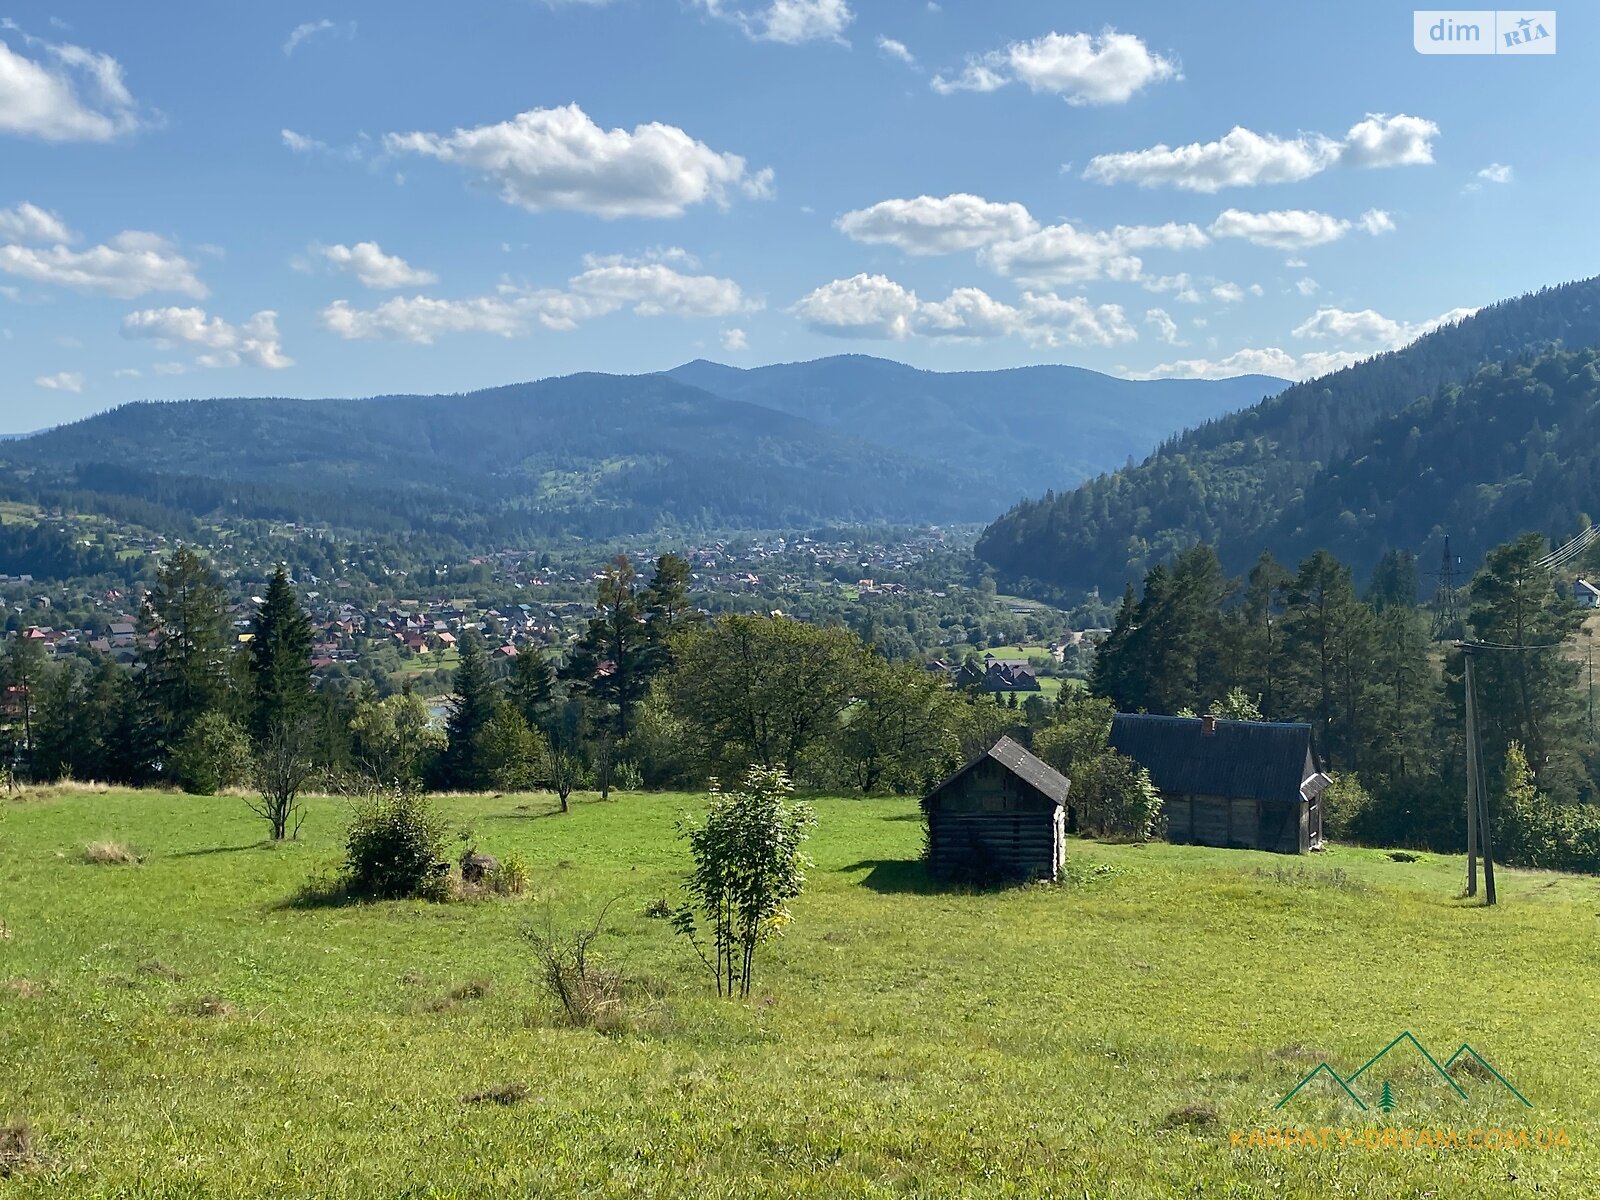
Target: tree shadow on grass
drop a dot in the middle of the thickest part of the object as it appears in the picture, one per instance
(206, 853)
(527, 812)
(895, 875)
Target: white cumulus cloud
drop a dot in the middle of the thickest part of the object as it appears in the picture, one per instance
(1166, 328)
(62, 381)
(1495, 173)
(130, 265)
(1372, 327)
(373, 268)
(876, 307)
(254, 343)
(62, 93)
(1079, 67)
(606, 286)
(1366, 332)
(30, 223)
(1063, 254)
(896, 50)
(1244, 158)
(937, 225)
(1295, 228)
(789, 22)
(557, 158)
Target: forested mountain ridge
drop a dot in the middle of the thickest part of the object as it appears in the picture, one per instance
(1249, 481)
(592, 455)
(1025, 429)
(1515, 449)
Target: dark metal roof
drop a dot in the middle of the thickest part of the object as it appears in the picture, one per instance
(1033, 771)
(1242, 760)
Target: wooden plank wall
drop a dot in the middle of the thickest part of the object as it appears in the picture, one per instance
(995, 821)
(1239, 824)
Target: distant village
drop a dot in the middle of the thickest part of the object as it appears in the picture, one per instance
(521, 600)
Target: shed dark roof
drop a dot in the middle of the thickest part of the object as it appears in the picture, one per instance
(1031, 770)
(1242, 760)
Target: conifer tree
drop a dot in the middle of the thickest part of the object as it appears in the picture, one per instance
(280, 660)
(471, 709)
(610, 664)
(532, 687)
(187, 662)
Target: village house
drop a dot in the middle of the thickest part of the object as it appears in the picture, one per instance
(1004, 676)
(1239, 784)
(1585, 594)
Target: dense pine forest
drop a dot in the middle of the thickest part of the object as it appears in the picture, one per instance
(1481, 430)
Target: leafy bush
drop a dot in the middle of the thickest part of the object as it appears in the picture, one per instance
(512, 754)
(747, 867)
(396, 849)
(1346, 807)
(1532, 830)
(1111, 794)
(214, 754)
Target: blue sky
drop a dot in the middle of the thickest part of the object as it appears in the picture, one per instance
(323, 200)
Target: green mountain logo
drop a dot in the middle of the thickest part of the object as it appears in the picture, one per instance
(1366, 1074)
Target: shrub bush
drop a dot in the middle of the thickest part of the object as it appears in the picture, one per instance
(396, 849)
(1346, 807)
(214, 754)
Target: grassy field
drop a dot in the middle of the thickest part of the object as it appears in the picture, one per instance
(433, 660)
(177, 1028)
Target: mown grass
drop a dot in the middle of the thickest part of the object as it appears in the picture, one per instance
(180, 1028)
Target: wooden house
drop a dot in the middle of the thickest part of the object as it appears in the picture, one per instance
(1003, 816)
(1242, 784)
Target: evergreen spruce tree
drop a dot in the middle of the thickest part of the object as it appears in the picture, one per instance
(610, 665)
(280, 661)
(471, 709)
(532, 687)
(187, 663)
(1261, 616)
(24, 676)
(667, 609)
(1531, 694)
(1112, 675)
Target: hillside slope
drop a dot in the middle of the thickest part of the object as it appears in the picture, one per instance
(1024, 429)
(1231, 481)
(587, 454)
(1517, 448)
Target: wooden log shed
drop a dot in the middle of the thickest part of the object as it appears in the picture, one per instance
(1002, 817)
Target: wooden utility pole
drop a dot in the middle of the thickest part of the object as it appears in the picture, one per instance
(1478, 824)
(1472, 772)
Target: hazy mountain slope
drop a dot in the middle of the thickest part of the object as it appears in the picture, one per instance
(1025, 429)
(1230, 481)
(583, 454)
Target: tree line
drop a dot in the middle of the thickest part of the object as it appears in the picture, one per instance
(1385, 702)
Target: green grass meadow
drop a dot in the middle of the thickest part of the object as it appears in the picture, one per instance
(1100, 1038)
